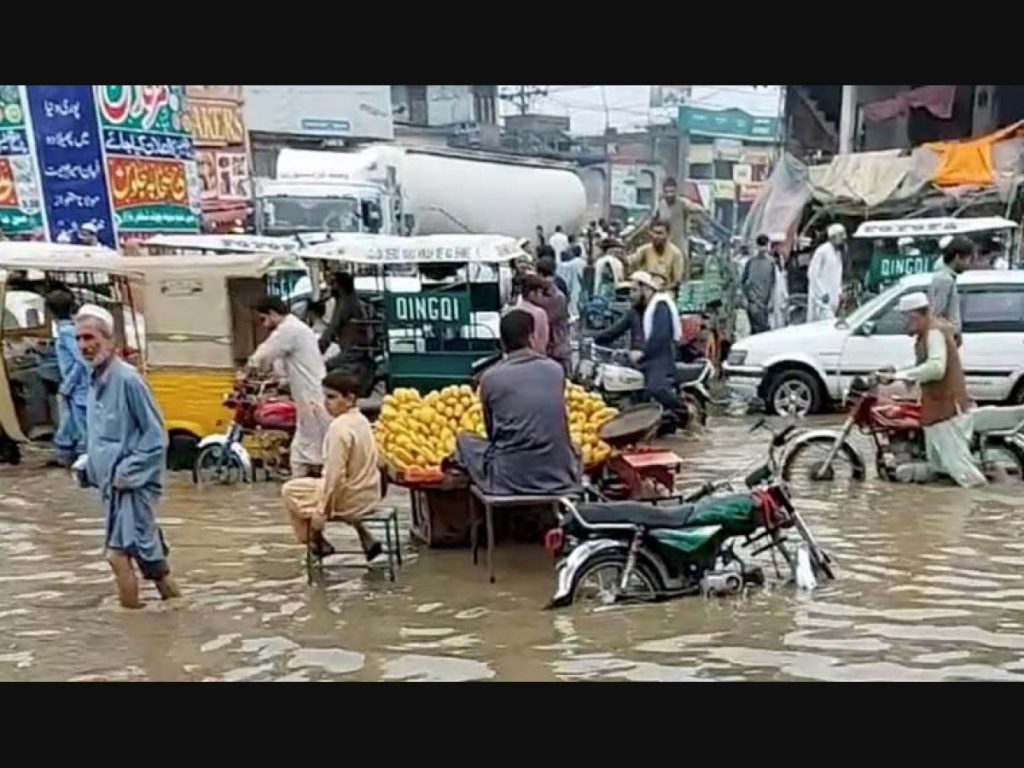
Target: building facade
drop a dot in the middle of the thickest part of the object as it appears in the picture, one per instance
(726, 158)
(823, 120)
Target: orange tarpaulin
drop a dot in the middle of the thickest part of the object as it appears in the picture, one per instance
(970, 162)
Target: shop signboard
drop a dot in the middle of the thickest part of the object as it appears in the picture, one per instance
(69, 155)
(724, 189)
(742, 173)
(150, 158)
(623, 186)
(749, 191)
(728, 123)
(20, 205)
(216, 122)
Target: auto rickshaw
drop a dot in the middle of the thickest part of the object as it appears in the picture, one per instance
(435, 299)
(185, 321)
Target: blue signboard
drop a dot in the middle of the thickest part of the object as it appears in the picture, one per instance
(70, 153)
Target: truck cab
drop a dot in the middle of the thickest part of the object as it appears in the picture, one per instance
(290, 207)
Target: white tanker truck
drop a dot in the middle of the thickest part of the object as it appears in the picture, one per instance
(390, 189)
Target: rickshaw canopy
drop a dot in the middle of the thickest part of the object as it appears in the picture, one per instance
(45, 256)
(933, 227)
(226, 243)
(361, 248)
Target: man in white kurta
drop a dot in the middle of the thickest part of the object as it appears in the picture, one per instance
(825, 276)
(944, 403)
(294, 345)
(780, 292)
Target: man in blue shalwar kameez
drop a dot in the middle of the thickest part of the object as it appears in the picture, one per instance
(69, 442)
(126, 452)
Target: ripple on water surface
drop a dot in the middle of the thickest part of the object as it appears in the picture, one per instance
(930, 588)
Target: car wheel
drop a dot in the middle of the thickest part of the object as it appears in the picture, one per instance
(1017, 396)
(794, 392)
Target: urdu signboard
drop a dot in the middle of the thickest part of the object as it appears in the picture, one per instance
(728, 123)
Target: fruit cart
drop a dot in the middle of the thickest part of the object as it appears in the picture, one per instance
(440, 298)
(416, 434)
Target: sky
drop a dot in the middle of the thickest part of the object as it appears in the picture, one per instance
(628, 106)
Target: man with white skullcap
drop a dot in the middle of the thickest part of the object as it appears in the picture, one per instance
(825, 276)
(126, 450)
(780, 292)
(944, 400)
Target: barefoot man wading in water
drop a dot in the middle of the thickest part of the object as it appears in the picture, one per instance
(126, 452)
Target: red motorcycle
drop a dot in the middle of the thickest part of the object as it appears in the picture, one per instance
(258, 437)
(894, 426)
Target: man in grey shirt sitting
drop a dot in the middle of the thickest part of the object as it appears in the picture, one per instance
(943, 297)
(527, 449)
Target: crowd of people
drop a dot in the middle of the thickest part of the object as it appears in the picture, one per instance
(112, 433)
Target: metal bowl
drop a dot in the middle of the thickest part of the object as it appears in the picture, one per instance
(632, 426)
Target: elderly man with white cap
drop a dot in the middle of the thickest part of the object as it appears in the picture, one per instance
(126, 450)
(825, 276)
(944, 400)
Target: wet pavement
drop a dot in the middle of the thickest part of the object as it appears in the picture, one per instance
(930, 587)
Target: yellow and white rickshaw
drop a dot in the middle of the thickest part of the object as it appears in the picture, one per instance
(185, 321)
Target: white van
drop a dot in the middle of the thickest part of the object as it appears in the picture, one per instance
(804, 368)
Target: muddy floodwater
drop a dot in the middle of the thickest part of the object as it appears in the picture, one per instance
(930, 587)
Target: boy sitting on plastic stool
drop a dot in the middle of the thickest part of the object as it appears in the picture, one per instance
(349, 487)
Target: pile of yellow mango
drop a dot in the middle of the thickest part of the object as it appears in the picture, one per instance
(587, 412)
(416, 433)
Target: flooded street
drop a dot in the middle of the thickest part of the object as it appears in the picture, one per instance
(930, 587)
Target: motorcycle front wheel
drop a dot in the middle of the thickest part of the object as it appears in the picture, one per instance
(597, 583)
(807, 462)
(697, 412)
(217, 465)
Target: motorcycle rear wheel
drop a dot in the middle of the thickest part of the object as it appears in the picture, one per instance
(213, 468)
(1002, 462)
(597, 582)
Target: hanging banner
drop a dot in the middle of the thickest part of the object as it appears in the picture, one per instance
(70, 161)
(20, 206)
(150, 160)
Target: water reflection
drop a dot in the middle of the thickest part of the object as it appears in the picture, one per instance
(930, 588)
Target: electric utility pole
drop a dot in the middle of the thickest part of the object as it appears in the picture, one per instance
(522, 96)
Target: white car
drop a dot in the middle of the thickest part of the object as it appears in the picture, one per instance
(804, 368)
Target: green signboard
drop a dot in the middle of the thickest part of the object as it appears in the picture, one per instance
(728, 123)
(888, 267)
(427, 307)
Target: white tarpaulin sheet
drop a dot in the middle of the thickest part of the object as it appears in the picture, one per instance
(869, 178)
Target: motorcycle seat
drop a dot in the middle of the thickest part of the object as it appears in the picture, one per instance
(687, 372)
(635, 513)
(997, 418)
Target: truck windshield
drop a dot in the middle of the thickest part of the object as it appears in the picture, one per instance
(288, 215)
